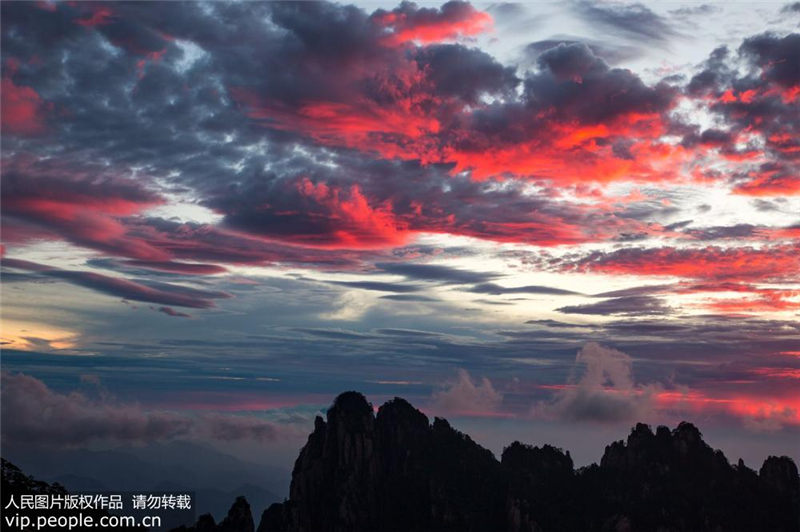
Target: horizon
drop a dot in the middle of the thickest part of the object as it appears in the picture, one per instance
(543, 222)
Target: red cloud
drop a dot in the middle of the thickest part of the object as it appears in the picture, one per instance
(99, 15)
(455, 19)
(771, 182)
(565, 152)
(49, 199)
(22, 109)
(402, 130)
(606, 127)
(767, 301)
(757, 411)
(778, 373)
(355, 223)
(760, 150)
(741, 263)
(571, 152)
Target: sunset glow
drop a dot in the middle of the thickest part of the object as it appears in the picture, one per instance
(538, 215)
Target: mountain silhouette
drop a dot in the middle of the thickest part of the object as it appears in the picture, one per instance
(397, 471)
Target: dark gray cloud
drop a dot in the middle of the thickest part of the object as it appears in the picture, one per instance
(410, 298)
(739, 231)
(495, 289)
(794, 7)
(334, 334)
(141, 290)
(378, 286)
(628, 305)
(574, 81)
(611, 53)
(638, 291)
(408, 332)
(694, 11)
(466, 73)
(777, 56)
(435, 272)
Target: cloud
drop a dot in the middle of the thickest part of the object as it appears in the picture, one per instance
(410, 298)
(35, 414)
(629, 305)
(465, 73)
(379, 286)
(694, 11)
(771, 418)
(23, 109)
(426, 25)
(82, 204)
(147, 291)
(424, 110)
(758, 119)
(463, 396)
(285, 189)
(794, 7)
(610, 52)
(169, 311)
(738, 231)
(176, 267)
(769, 262)
(327, 216)
(604, 393)
(638, 291)
(435, 272)
(495, 289)
(633, 20)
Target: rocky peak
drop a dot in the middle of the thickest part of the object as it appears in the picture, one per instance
(334, 477)
(663, 434)
(350, 432)
(663, 450)
(319, 424)
(400, 416)
(780, 474)
(404, 435)
(239, 518)
(686, 438)
(351, 412)
(542, 461)
(640, 433)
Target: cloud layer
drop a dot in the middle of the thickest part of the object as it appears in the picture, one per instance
(33, 413)
(344, 195)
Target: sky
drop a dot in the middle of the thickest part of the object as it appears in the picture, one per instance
(543, 221)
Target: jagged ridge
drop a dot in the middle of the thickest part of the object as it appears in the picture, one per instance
(397, 471)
